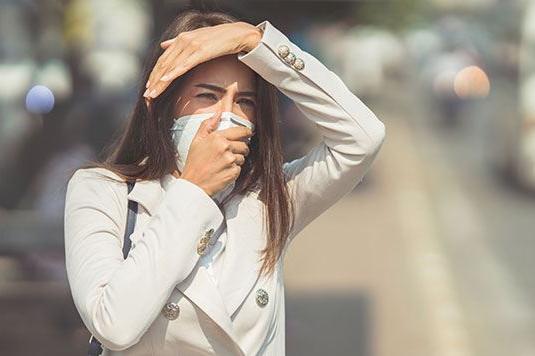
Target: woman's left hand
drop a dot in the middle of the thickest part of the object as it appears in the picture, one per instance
(191, 48)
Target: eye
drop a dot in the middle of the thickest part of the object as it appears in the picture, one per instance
(248, 102)
(208, 95)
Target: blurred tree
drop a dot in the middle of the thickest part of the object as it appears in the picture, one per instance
(393, 14)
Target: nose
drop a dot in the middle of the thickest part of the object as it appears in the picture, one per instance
(226, 105)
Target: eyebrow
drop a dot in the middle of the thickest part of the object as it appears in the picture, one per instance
(223, 90)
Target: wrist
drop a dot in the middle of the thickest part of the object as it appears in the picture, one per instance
(193, 181)
(252, 38)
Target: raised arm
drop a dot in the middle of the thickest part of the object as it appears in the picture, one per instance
(351, 133)
(118, 299)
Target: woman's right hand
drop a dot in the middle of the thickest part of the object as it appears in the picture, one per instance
(215, 157)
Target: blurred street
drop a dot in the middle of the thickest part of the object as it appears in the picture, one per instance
(431, 252)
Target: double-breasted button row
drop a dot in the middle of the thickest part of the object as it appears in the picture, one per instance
(290, 57)
(171, 311)
(204, 241)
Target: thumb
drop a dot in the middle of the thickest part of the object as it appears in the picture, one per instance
(210, 125)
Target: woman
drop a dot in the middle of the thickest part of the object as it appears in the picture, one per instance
(173, 295)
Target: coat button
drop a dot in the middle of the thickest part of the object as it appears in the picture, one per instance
(203, 242)
(299, 64)
(262, 297)
(201, 246)
(290, 58)
(283, 50)
(171, 311)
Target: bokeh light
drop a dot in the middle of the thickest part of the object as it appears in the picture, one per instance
(471, 82)
(39, 100)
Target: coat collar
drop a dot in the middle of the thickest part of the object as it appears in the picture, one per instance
(148, 193)
(245, 240)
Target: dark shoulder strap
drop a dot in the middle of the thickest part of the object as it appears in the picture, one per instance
(130, 221)
(95, 347)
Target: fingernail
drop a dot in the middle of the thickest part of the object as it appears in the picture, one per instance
(152, 94)
(147, 85)
(146, 92)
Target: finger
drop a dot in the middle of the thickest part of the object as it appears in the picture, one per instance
(236, 133)
(236, 168)
(150, 83)
(160, 85)
(209, 125)
(157, 85)
(167, 43)
(160, 66)
(232, 159)
(179, 64)
(213, 122)
(174, 73)
(239, 147)
(240, 159)
(156, 89)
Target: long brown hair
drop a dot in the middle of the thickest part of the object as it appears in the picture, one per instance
(143, 149)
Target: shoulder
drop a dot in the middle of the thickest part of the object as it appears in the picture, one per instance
(96, 173)
(95, 183)
(95, 202)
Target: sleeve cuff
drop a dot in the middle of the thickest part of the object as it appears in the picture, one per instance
(200, 205)
(242, 56)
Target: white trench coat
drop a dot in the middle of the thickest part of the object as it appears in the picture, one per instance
(121, 301)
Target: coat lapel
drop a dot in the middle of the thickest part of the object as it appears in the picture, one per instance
(241, 261)
(243, 250)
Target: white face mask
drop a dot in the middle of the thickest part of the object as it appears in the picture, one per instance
(185, 128)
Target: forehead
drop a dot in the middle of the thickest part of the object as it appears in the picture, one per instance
(223, 71)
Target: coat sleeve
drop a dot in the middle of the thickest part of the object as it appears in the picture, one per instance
(118, 299)
(351, 133)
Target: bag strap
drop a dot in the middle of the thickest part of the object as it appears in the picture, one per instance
(130, 222)
(95, 347)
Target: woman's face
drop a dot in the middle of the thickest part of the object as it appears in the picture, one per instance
(221, 83)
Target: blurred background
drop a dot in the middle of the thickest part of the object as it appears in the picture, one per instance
(431, 255)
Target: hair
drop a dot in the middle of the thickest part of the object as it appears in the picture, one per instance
(143, 148)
